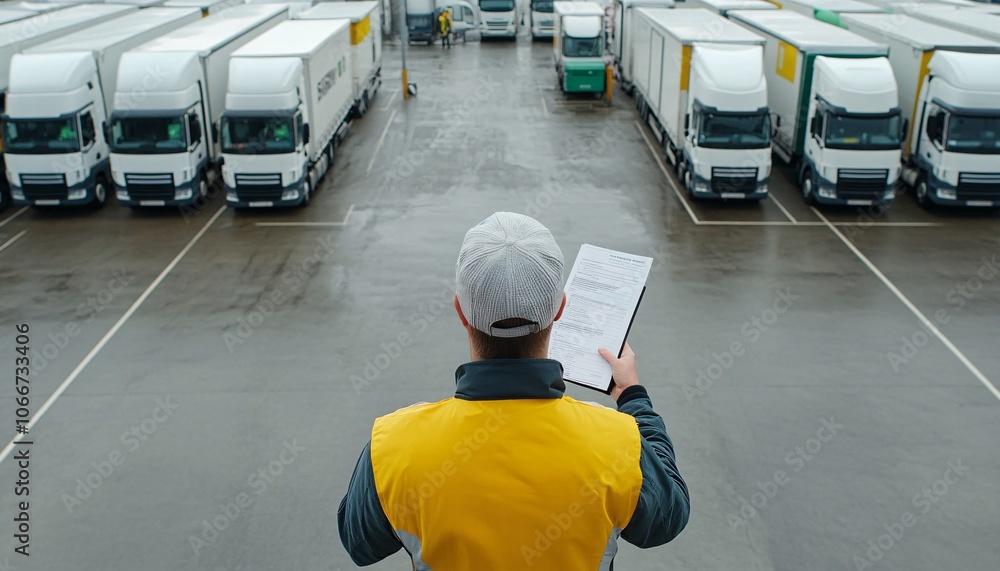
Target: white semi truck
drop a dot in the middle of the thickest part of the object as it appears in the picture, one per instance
(723, 7)
(837, 117)
(700, 87)
(949, 84)
(622, 27)
(287, 109)
(366, 45)
(23, 34)
(499, 19)
(59, 97)
(163, 128)
(578, 47)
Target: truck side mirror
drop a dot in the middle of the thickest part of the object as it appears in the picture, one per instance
(195, 130)
(814, 127)
(215, 134)
(687, 124)
(777, 121)
(305, 134)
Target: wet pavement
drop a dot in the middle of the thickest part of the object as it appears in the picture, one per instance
(209, 377)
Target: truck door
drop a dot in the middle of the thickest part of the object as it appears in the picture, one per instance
(93, 152)
(814, 141)
(931, 144)
(196, 136)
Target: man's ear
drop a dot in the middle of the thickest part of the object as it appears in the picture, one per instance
(561, 308)
(458, 308)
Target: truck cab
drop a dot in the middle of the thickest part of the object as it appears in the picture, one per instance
(498, 19)
(855, 126)
(956, 145)
(579, 47)
(541, 18)
(55, 151)
(727, 152)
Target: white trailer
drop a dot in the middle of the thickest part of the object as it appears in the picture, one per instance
(949, 84)
(366, 45)
(287, 109)
(59, 97)
(295, 7)
(622, 27)
(969, 21)
(163, 128)
(207, 7)
(701, 88)
(723, 7)
(835, 106)
(9, 15)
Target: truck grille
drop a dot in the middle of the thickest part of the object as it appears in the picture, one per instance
(44, 186)
(734, 180)
(978, 186)
(861, 184)
(252, 187)
(158, 186)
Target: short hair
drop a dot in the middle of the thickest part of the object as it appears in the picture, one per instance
(489, 347)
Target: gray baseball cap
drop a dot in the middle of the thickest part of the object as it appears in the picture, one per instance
(509, 267)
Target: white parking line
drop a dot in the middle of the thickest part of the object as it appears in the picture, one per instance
(381, 139)
(392, 97)
(670, 180)
(12, 240)
(927, 323)
(111, 333)
(783, 211)
(308, 224)
(13, 216)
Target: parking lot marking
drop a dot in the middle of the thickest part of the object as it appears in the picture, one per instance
(782, 208)
(670, 180)
(392, 98)
(927, 323)
(381, 139)
(111, 333)
(308, 224)
(12, 240)
(545, 108)
(13, 216)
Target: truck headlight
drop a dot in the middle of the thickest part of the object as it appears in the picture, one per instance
(231, 196)
(890, 195)
(827, 191)
(183, 194)
(290, 195)
(947, 193)
(122, 195)
(78, 194)
(701, 185)
(17, 194)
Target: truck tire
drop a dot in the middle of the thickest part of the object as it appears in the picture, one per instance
(921, 192)
(100, 194)
(202, 189)
(808, 190)
(306, 194)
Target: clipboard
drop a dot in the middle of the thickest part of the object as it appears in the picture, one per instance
(611, 382)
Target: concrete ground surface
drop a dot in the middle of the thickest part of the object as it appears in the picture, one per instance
(196, 349)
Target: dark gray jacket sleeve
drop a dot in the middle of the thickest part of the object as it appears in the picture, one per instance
(365, 530)
(664, 504)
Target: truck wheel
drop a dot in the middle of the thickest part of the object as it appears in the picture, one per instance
(921, 192)
(808, 192)
(100, 195)
(306, 194)
(364, 103)
(202, 188)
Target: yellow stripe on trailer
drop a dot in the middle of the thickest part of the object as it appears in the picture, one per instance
(925, 61)
(788, 59)
(685, 67)
(778, 4)
(360, 30)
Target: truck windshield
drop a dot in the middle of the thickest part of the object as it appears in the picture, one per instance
(41, 136)
(258, 135)
(147, 135)
(583, 47)
(863, 132)
(496, 5)
(971, 134)
(734, 131)
(542, 6)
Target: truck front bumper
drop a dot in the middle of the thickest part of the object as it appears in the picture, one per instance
(183, 195)
(285, 197)
(826, 194)
(75, 195)
(702, 188)
(947, 194)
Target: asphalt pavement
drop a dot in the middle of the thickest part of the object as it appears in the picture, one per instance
(207, 378)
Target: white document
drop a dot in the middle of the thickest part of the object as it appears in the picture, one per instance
(603, 293)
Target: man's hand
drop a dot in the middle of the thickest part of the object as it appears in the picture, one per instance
(622, 369)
